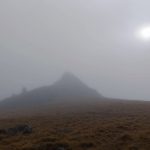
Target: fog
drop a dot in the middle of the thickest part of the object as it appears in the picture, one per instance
(94, 39)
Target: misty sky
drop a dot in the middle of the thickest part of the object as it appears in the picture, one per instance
(94, 39)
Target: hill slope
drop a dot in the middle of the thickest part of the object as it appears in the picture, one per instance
(68, 87)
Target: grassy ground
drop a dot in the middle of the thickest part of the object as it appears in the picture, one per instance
(100, 126)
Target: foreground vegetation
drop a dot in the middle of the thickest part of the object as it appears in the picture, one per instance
(107, 126)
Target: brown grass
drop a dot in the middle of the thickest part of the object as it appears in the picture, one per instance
(100, 126)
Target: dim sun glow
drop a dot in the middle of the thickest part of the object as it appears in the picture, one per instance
(144, 33)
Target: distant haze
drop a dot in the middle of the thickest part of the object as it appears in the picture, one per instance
(94, 39)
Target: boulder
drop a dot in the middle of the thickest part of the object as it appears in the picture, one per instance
(3, 131)
(19, 129)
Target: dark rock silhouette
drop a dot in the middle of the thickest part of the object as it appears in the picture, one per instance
(19, 129)
(68, 87)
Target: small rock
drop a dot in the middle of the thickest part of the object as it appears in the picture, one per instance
(23, 129)
(3, 131)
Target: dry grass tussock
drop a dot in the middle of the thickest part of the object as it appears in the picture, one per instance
(115, 126)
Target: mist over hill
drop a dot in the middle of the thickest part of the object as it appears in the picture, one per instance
(67, 87)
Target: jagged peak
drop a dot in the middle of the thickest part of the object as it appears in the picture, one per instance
(70, 80)
(69, 76)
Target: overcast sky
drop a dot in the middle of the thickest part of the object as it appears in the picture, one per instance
(94, 39)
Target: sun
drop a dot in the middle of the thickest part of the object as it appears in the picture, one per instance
(144, 33)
